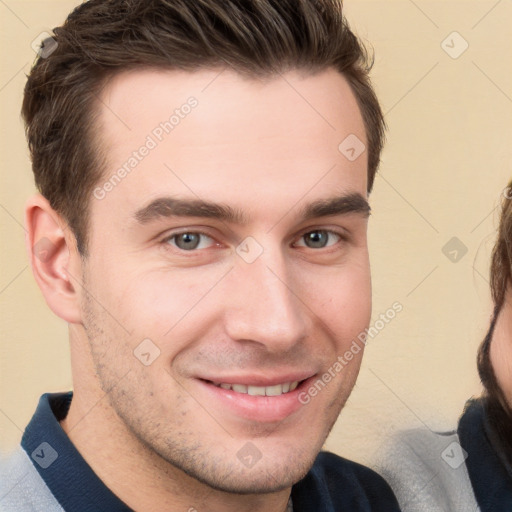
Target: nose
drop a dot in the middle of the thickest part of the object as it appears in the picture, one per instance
(262, 305)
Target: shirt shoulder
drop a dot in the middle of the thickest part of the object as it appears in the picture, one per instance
(22, 488)
(338, 484)
(427, 471)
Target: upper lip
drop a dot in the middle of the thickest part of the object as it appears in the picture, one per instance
(260, 380)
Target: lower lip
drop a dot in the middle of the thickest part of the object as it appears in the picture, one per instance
(263, 409)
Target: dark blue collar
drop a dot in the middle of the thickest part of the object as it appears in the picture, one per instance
(71, 480)
(489, 474)
(66, 473)
(333, 483)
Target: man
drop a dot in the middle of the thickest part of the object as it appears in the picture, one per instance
(204, 169)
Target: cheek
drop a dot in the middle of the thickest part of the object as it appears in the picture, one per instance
(344, 303)
(501, 360)
(160, 304)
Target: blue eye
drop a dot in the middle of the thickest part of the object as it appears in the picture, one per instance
(190, 241)
(320, 238)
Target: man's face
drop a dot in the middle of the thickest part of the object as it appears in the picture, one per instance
(257, 296)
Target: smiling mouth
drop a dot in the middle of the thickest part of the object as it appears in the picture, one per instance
(276, 390)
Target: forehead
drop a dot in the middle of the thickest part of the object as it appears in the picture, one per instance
(211, 128)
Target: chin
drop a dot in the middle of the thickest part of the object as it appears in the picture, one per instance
(225, 471)
(266, 479)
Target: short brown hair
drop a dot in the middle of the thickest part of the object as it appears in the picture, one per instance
(103, 37)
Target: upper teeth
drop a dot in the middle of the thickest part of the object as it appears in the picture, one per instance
(276, 390)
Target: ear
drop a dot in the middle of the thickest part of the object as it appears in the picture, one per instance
(54, 258)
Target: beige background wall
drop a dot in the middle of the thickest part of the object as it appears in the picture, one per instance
(446, 163)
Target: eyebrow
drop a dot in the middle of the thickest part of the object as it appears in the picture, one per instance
(167, 207)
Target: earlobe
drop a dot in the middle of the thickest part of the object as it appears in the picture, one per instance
(53, 257)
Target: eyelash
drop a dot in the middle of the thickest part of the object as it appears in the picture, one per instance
(343, 237)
